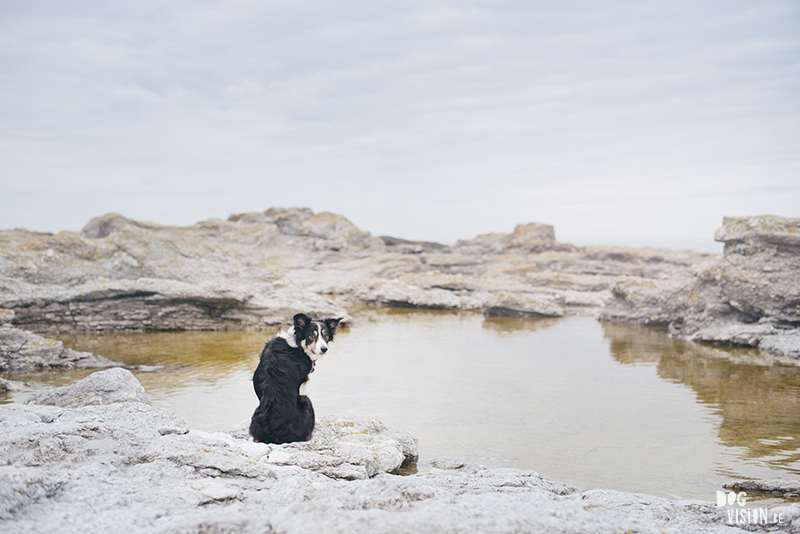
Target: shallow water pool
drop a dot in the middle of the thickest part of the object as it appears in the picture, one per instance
(594, 404)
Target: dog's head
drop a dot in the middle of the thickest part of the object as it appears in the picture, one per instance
(314, 336)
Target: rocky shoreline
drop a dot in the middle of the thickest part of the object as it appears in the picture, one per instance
(256, 269)
(748, 297)
(98, 457)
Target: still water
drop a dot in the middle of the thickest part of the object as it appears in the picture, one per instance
(597, 405)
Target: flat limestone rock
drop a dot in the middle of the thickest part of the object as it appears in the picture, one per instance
(132, 467)
(777, 486)
(136, 468)
(257, 269)
(23, 350)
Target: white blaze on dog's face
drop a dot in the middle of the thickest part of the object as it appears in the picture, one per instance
(315, 342)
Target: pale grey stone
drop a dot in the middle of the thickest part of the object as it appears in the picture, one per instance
(110, 468)
(781, 343)
(748, 297)
(12, 385)
(23, 350)
(102, 387)
(136, 468)
(6, 316)
(778, 486)
(446, 463)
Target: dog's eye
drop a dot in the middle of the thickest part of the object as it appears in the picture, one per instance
(325, 336)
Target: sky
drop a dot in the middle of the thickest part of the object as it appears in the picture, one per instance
(623, 122)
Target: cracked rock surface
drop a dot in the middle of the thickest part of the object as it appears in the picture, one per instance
(128, 466)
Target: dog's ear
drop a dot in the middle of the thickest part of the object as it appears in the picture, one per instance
(332, 325)
(301, 321)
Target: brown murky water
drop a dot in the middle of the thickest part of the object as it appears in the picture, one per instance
(598, 405)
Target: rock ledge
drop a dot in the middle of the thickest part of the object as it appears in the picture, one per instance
(129, 466)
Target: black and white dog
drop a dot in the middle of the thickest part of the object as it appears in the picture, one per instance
(285, 413)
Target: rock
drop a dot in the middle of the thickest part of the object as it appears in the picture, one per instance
(103, 387)
(259, 269)
(6, 316)
(410, 247)
(344, 448)
(12, 385)
(749, 297)
(777, 486)
(22, 350)
(521, 305)
(133, 467)
(781, 343)
(526, 239)
(750, 235)
(146, 471)
(123, 275)
(447, 463)
(136, 468)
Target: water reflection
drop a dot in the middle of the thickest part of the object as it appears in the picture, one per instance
(758, 405)
(203, 376)
(508, 325)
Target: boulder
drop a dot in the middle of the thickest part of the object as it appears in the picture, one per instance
(749, 235)
(344, 448)
(103, 387)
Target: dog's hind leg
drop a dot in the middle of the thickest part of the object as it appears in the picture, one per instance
(259, 423)
(307, 417)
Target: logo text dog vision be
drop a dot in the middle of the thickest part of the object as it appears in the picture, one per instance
(746, 516)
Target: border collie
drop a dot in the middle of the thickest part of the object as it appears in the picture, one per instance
(284, 412)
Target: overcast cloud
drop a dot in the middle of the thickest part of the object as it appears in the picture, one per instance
(624, 122)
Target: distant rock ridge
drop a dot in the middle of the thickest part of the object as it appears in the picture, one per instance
(258, 269)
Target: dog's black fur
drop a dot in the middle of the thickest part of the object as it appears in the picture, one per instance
(284, 414)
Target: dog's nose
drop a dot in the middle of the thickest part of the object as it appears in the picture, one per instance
(324, 350)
